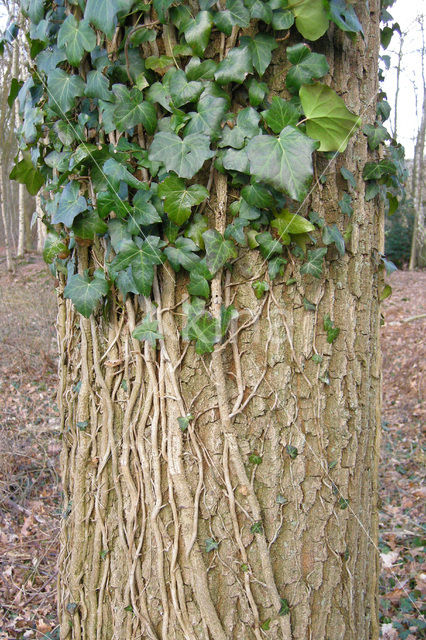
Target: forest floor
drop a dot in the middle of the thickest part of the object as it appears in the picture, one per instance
(30, 504)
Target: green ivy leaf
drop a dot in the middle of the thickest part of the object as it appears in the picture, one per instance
(144, 212)
(234, 14)
(211, 109)
(343, 14)
(285, 608)
(235, 67)
(328, 118)
(132, 110)
(89, 224)
(197, 70)
(197, 33)
(71, 203)
(25, 173)
(292, 451)
(183, 254)
(348, 176)
(257, 91)
(385, 293)
(53, 245)
(15, 87)
(147, 330)
(184, 157)
(376, 170)
(117, 172)
(86, 293)
(313, 266)
(201, 327)
(121, 238)
(375, 134)
(332, 331)
(331, 235)
(259, 10)
(280, 114)
(108, 201)
(311, 18)
(198, 285)
(98, 86)
(260, 287)
(63, 89)
(211, 545)
(256, 195)
(257, 527)
(345, 204)
(196, 229)
(161, 7)
(236, 160)
(306, 67)
(268, 246)
(218, 250)
(183, 91)
(286, 223)
(284, 162)
(179, 199)
(142, 258)
(282, 20)
(103, 15)
(276, 267)
(76, 37)
(260, 47)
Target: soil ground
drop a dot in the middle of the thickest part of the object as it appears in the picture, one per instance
(30, 504)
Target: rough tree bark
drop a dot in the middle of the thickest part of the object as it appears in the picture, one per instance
(21, 187)
(418, 239)
(144, 502)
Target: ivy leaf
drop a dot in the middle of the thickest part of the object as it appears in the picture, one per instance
(201, 327)
(15, 87)
(260, 47)
(236, 160)
(121, 238)
(63, 89)
(226, 315)
(132, 110)
(76, 37)
(198, 285)
(286, 223)
(196, 229)
(86, 293)
(389, 266)
(348, 176)
(385, 293)
(183, 254)
(183, 91)
(331, 234)
(179, 199)
(89, 224)
(234, 14)
(345, 204)
(375, 134)
(313, 266)
(71, 203)
(376, 170)
(332, 331)
(147, 330)
(144, 212)
(328, 118)
(218, 250)
(268, 246)
(184, 157)
(197, 70)
(285, 608)
(260, 287)
(211, 545)
(211, 109)
(284, 162)
(25, 173)
(282, 20)
(117, 173)
(235, 230)
(103, 15)
(256, 195)
(235, 67)
(276, 267)
(142, 260)
(311, 18)
(161, 7)
(98, 86)
(108, 201)
(197, 34)
(257, 92)
(343, 14)
(280, 114)
(305, 66)
(53, 245)
(259, 10)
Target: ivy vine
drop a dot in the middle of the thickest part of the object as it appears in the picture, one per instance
(127, 112)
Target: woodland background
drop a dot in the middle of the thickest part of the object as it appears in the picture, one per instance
(30, 500)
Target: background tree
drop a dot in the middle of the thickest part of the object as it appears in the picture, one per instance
(218, 246)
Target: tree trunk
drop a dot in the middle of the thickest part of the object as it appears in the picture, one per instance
(418, 178)
(41, 229)
(9, 264)
(21, 187)
(262, 514)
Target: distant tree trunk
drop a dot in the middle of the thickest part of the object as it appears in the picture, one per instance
(181, 536)
(418, 239)
(398, 76)
(41, 229)
(9, 264)
(21, 187)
